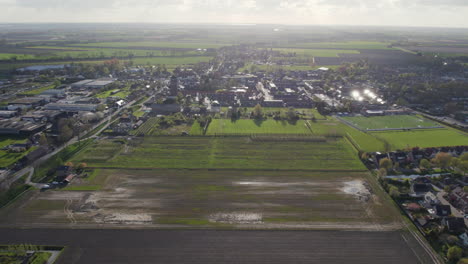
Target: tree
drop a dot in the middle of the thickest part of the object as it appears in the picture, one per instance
(43, 140)
(258, 112)
(291, 114)
(454, 253)
(386, 163)
(394, 192)
(425, 164)
(80, 167)
(57, 83)
(443, 159)
(65, 134)
(69, 164)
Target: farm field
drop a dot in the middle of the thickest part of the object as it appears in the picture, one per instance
(225, 246)
(157, 44)
(254, 199)
(316, 52)
(424, 138)
(340, 45)
(391, 122)
(222, 153)
(248, 126)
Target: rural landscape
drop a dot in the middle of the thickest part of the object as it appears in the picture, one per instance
(338, 145)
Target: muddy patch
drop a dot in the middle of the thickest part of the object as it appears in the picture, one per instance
(236, 218)
(357, 188)
(123, 218)
(274, 184)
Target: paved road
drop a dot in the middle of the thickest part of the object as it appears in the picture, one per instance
(203, 246)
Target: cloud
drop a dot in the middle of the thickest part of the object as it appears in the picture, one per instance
(366, 12)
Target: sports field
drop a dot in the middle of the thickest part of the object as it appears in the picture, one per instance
(390, 122)
(424, 138)
(248, 126)
(222, 152)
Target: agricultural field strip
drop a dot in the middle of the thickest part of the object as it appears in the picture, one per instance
(315, 52)
(243, 126)
(222, 153)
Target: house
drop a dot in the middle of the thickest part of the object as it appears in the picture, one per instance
(420, 189)
(464, 239)
(63, 171)
(69, 178)
(431, 199)
(459, 199)
(443, 210)
(454, 224)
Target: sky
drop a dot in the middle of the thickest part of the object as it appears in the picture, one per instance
(421, 13)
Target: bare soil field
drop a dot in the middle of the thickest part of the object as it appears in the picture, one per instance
(210, 199)
(204, 246)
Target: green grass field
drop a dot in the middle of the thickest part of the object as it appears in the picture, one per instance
(340, 45)
(316, 52)
(247, 127)
(272, 68)
(396, 121)
(39, 90)
(6, 158)
(161, 44)
(424, 138)
(221, 153)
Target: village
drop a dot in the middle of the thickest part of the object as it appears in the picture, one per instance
(123, 104)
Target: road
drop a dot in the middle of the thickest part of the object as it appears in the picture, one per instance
(212, 246)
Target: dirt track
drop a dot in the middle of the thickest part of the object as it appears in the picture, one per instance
(157, 246)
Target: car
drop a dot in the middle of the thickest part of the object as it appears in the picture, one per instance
(46, 186)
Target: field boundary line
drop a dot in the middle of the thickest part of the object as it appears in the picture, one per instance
(222, 169)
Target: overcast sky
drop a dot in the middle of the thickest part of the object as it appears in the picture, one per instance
(441, 13)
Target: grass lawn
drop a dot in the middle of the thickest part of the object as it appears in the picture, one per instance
(230, 152)
(424, 138)
(39, 90)
(6, 158)
(397, 121)
(248, 126)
